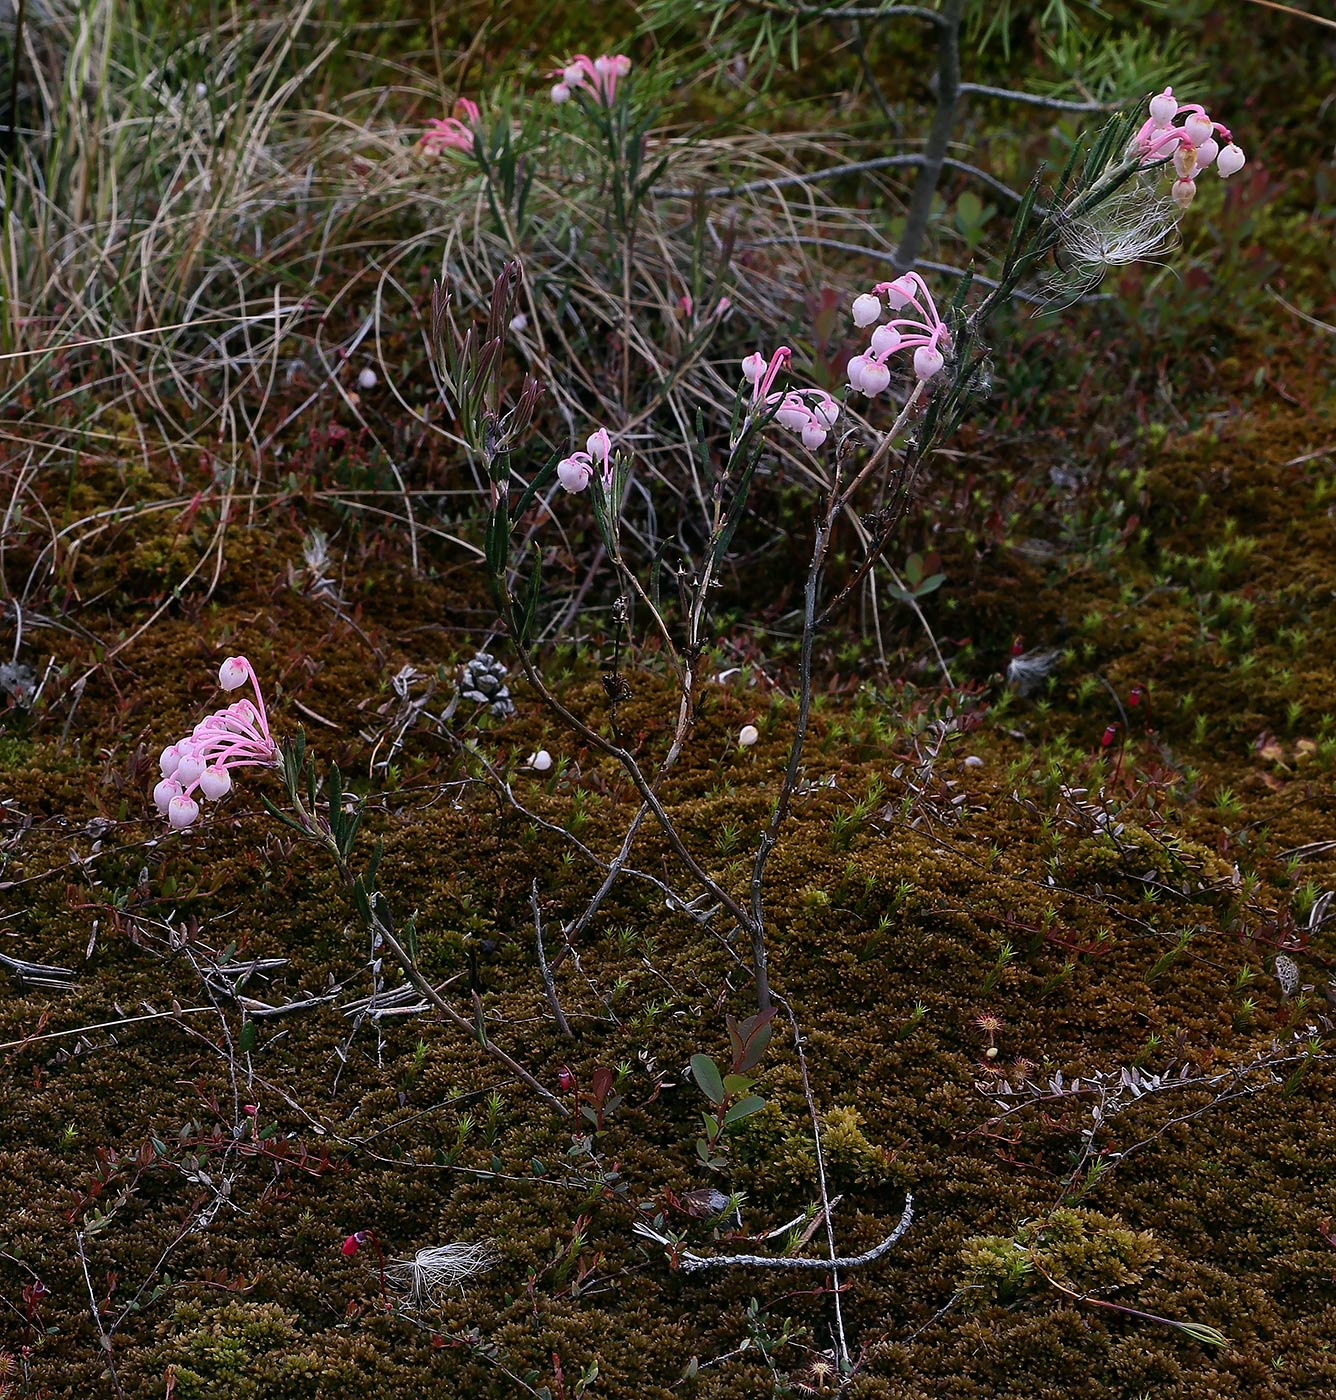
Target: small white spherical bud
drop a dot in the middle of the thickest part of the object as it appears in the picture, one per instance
(560, 93)
(867, 309)
(748, 735)
(168, 759)
(991, 1053)
(1163, 107)
(181, 811)
(974, 761)
(164, 792)
(541, 761)
(233, 672)
(573, 76)
(927, 361)
(1230, 161)
(367, 379)
(519, 322)
(215, 782)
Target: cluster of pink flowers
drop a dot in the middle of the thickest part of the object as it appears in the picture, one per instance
(1193, 144)
(236, 736)
(599, 75)
(811, 413)
(454, 132)
(924, 332)
(574, 472)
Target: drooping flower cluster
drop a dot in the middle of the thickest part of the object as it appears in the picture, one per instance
(1192, 144)
(596, 75)
(236, 736)
(574, 472)
(924, 333)
(454, 132)
(811, 413)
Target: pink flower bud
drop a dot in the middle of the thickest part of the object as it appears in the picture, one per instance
(927, 361)
(181, 811)
(572, 75)
(1207, 152)
(189, 769)
(828, 411)
(857, 364)
(599, 445)
(560, 93)
(900, 292)
(164, 792)
(753, 367)
(793, 415)
(621, 65)
(1163, 107)
(233, 672)
(1198, 128)
(885, 340)
(352, 1244)
(215, 782)
(168, 760)
(813, 435)
(574, 473)
(1230, 161)
(1183, 193)
(867, 309)
(874, 377)
(603, 65)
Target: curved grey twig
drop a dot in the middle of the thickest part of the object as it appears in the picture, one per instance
(692, 1263)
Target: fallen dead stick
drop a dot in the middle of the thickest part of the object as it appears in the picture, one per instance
(692, 1263)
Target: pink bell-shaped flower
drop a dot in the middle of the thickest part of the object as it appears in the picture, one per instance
(215, 782)
(233, 673)
(867, 309)
(1230, 161)
(1163, 107)
(182, 811)
(928, 361)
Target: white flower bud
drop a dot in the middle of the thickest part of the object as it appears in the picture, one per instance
(519, 322)
(794, 417)
(541, 761)
(232, 673)
(828, 411)
(215, 782)
(748, 735)
(1207, 152)
(560, 93)
(181, 811)
(1163, 107)
(813, 435)
(753, 367)
(927, 361)
(367, 379)
(573, 76)
(1230, 161)
(168, 760)
(573, 474)
(867, 309)
(900, 293)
